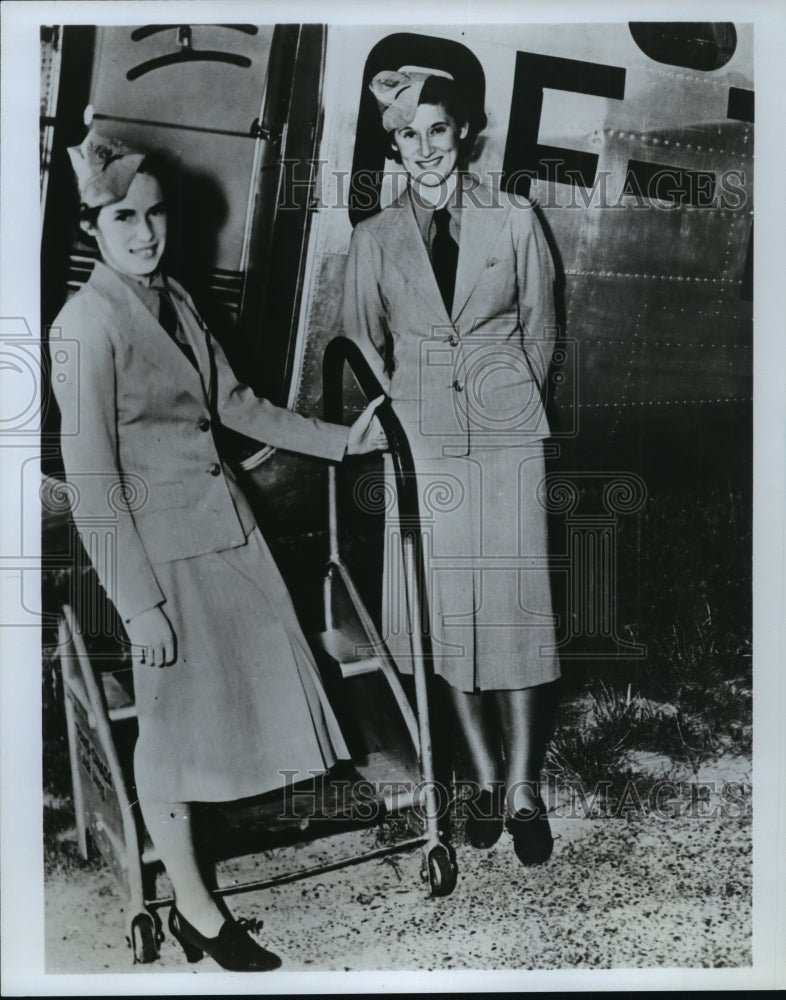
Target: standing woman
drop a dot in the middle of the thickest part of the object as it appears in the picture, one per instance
(227, 692)
(450, 291)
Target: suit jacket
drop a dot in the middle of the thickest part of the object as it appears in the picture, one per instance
(476, 378)
(143, 466)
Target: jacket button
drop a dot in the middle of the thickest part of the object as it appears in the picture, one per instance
(204, 424)
(453, 340)
(458, 385)
(215, 469)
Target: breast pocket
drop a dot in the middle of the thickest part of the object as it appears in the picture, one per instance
(496, 287)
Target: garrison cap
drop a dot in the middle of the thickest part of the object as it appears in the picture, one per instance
(104, 169)
(398, 92)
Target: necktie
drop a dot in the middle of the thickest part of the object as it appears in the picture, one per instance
(444, 256)
(232, 445)
(167, 317)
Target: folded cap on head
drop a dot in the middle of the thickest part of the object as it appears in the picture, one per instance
(398, 92)
(104, 169)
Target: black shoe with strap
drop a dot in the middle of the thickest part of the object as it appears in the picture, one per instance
(483, 826)
(532, 839)
(233, 947)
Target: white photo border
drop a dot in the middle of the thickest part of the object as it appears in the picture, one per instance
(20, 684)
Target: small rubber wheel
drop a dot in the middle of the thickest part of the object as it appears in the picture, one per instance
(442, 871)
(143, 938)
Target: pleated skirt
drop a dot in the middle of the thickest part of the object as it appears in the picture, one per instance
(242, 711)
(488, 596)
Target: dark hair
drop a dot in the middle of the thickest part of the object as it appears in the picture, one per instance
(89, 215)
(456, 102)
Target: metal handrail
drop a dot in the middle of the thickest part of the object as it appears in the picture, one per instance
(341, 352)
(128, 845)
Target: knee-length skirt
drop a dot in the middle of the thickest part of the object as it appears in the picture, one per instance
(242, 710)
(487, 580)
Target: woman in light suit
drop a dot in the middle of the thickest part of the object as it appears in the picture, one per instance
(450, 291)
(227, 692)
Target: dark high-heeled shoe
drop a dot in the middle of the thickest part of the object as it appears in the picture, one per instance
(532, 839)
(233, 948)
(483, 826)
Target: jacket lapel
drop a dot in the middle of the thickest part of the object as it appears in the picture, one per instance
(481, 220)
(482, 217)
(147, 334)
(405, 248)
(192, 327)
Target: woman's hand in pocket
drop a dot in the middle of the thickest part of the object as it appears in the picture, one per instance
(154, 638)
(366, 434)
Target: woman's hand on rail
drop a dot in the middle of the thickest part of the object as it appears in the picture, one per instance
(366, 434)
(152, 635)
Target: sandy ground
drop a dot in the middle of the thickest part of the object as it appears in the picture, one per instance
(631, 891)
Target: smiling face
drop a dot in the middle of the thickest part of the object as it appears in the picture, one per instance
(429, 145)
(131, 234)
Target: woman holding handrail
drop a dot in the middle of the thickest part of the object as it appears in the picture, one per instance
(449, 291)
(227, 693)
